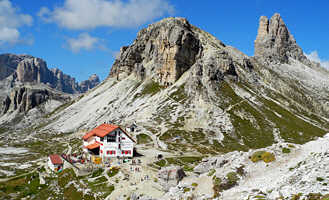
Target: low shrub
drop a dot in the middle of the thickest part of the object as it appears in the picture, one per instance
(286, 150)
(194, 184)
(187, 190)
(211, 172)
(267, 157)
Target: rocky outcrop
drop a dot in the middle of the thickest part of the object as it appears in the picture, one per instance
(8, 64)
(26, 98)
(164, 50)
(92, 82)
(33, 70)
(28, 69)
(275, 44)
(64, 82)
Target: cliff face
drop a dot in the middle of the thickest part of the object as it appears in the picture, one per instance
(8, 64)
(275, 44)
(24, 98)
(164, 50)
(33, 70)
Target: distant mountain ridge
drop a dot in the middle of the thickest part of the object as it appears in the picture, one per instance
(25, 68)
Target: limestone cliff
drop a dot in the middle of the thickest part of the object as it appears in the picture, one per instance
(164, 50)
(8, 64)
(274, 42)
(24, 98)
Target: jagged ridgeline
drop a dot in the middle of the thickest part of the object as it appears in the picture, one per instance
(190, 92)
(27, 83)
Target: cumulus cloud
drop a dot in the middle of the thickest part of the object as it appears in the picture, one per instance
(314, 56)
(10, 21)
(83, 42)
(88, 14)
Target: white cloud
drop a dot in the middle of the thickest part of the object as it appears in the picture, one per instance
(10, 35)
(88, 14)
(44, 13)
(314, 56)
(83, 42)
(10, 21)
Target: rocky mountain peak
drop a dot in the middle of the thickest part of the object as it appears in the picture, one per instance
(92, 82)
(275, 44)
(32, 70)
(163, 51)
(93, 77)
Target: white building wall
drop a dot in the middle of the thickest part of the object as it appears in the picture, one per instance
(50, 164)
(125, 145)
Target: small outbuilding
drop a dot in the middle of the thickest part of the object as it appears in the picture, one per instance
(55, 163)
(132, 128)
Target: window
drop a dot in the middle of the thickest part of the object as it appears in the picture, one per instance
(108, 152)
(123, 138)
(111, 137)
(102, 139)
(101, 151)
(123, 152)
(111, 152)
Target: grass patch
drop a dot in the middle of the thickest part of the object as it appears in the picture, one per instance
(97, 172)
(3, 130)
(292, 129)
(161, 163)
(194, 185)
(228, 93)
(151, 88)
(187, 163)
(217, 186)
(262, 155)
(232, 178)
(187, 189)
(286, 150)
(220, 185)
(25, 186)
(112, 172)
(256, 133)
(143, 139)
(179, 95)
(43, 147)
(211, 172)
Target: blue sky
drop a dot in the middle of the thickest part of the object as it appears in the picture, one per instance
(82, 37)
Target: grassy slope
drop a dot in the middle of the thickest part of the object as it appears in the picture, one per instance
(256, 133)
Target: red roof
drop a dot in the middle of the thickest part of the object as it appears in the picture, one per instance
(103, 130)
(93, 146)
(56, 159)
(100, 131)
